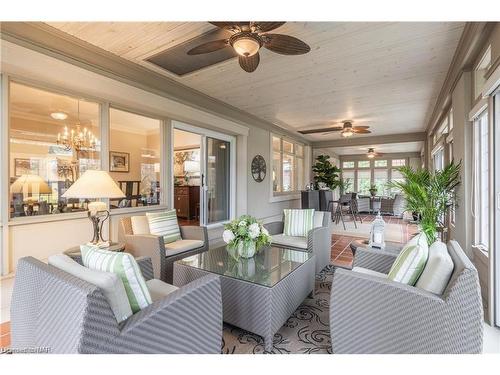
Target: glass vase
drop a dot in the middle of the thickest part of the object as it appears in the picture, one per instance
(246, 249)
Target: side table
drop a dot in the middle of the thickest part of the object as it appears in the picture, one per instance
(75, 253)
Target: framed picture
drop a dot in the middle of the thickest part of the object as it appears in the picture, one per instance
(26, 166)
(119, 161)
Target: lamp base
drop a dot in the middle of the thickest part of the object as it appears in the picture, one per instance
(98, 218)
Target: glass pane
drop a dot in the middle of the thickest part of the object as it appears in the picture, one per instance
(348, 179)
(53, 139)
(380, 163)
(347, 164)
(134, 158)
(266, 268)
(398, 162)
(276, 172)
(364, 164)
(300, 174)
(397, 177)
(484, 178)
(364, 182)
(276, 144)
(218, 180)
(288, 173)
(287, 147)
(299, 150)
(380, 181)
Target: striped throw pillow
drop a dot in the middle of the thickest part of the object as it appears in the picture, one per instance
(298, 222)
(125, 266)
(411, 261)
(164, 224)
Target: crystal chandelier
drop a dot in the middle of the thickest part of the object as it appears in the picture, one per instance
(77, 139)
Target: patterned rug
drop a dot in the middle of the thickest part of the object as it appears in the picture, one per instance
(307, 331)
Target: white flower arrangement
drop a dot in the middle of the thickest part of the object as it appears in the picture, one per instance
(246, 230)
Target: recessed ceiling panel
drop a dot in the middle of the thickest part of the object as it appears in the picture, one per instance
(177, 61)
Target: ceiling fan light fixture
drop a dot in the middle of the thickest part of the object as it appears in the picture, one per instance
(246, 46)
(371, 153)
(347, 133)
(59, 115)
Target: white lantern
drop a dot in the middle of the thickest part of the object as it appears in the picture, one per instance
(377, 233)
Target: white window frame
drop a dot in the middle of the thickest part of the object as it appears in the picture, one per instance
(104, 106)
(277, 196)
(478, 163)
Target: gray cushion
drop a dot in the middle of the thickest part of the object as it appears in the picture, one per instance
(110, 284)
(289, 241)
(159, 289)
(181, 246)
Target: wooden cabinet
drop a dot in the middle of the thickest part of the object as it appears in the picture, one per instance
(187, 201)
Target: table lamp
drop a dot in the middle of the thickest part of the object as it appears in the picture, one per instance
(95, 185)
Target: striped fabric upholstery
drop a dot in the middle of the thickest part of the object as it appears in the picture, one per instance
(164, 224)
(125, 266)
(298, 222)
(410, 263)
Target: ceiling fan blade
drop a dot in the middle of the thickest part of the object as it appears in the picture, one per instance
(250, 63)
(212, 46)
(360, 131)
(322, 130)
(238, 25)
(264, 27)
(285, 44)
(361, 127)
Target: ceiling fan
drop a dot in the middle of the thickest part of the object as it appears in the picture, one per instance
(371, 153)
(248, 38)
(346, 130)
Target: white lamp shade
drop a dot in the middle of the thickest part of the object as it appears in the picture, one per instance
(30, 184)
(94, 185)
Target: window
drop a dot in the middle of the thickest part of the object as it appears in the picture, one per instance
(398, 162)
(364, 164)
(347, 164)
(380, 181)
(53, 138)
(481, 181)
(348, 179)
(439, 160)
(287, 166)
(380, 163)
(364, 182)
(396, 176)
(134, 158)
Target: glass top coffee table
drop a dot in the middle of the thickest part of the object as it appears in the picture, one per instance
(258, 294)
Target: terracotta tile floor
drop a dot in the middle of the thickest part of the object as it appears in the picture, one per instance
(341, 257)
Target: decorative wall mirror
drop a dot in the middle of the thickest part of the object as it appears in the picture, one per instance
(258, 168)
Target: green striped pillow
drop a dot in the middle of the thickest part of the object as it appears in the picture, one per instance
(411, 261)
(125, 266)
(164, 224)
(298, 222)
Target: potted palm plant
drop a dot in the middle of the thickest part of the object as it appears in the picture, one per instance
(429, 194)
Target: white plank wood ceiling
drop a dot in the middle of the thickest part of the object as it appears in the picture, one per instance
(386, 75)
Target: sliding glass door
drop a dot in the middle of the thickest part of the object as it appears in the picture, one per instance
(217, 180)
(496, 252)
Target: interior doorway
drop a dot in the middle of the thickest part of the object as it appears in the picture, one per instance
(204, 175)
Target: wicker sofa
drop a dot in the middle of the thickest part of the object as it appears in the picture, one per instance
(194, 241)
(370, 314)
(54, 310)
(318, 240)
(394, 206)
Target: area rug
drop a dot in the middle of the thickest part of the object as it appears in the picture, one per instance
(307, 331)
(393, 232)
